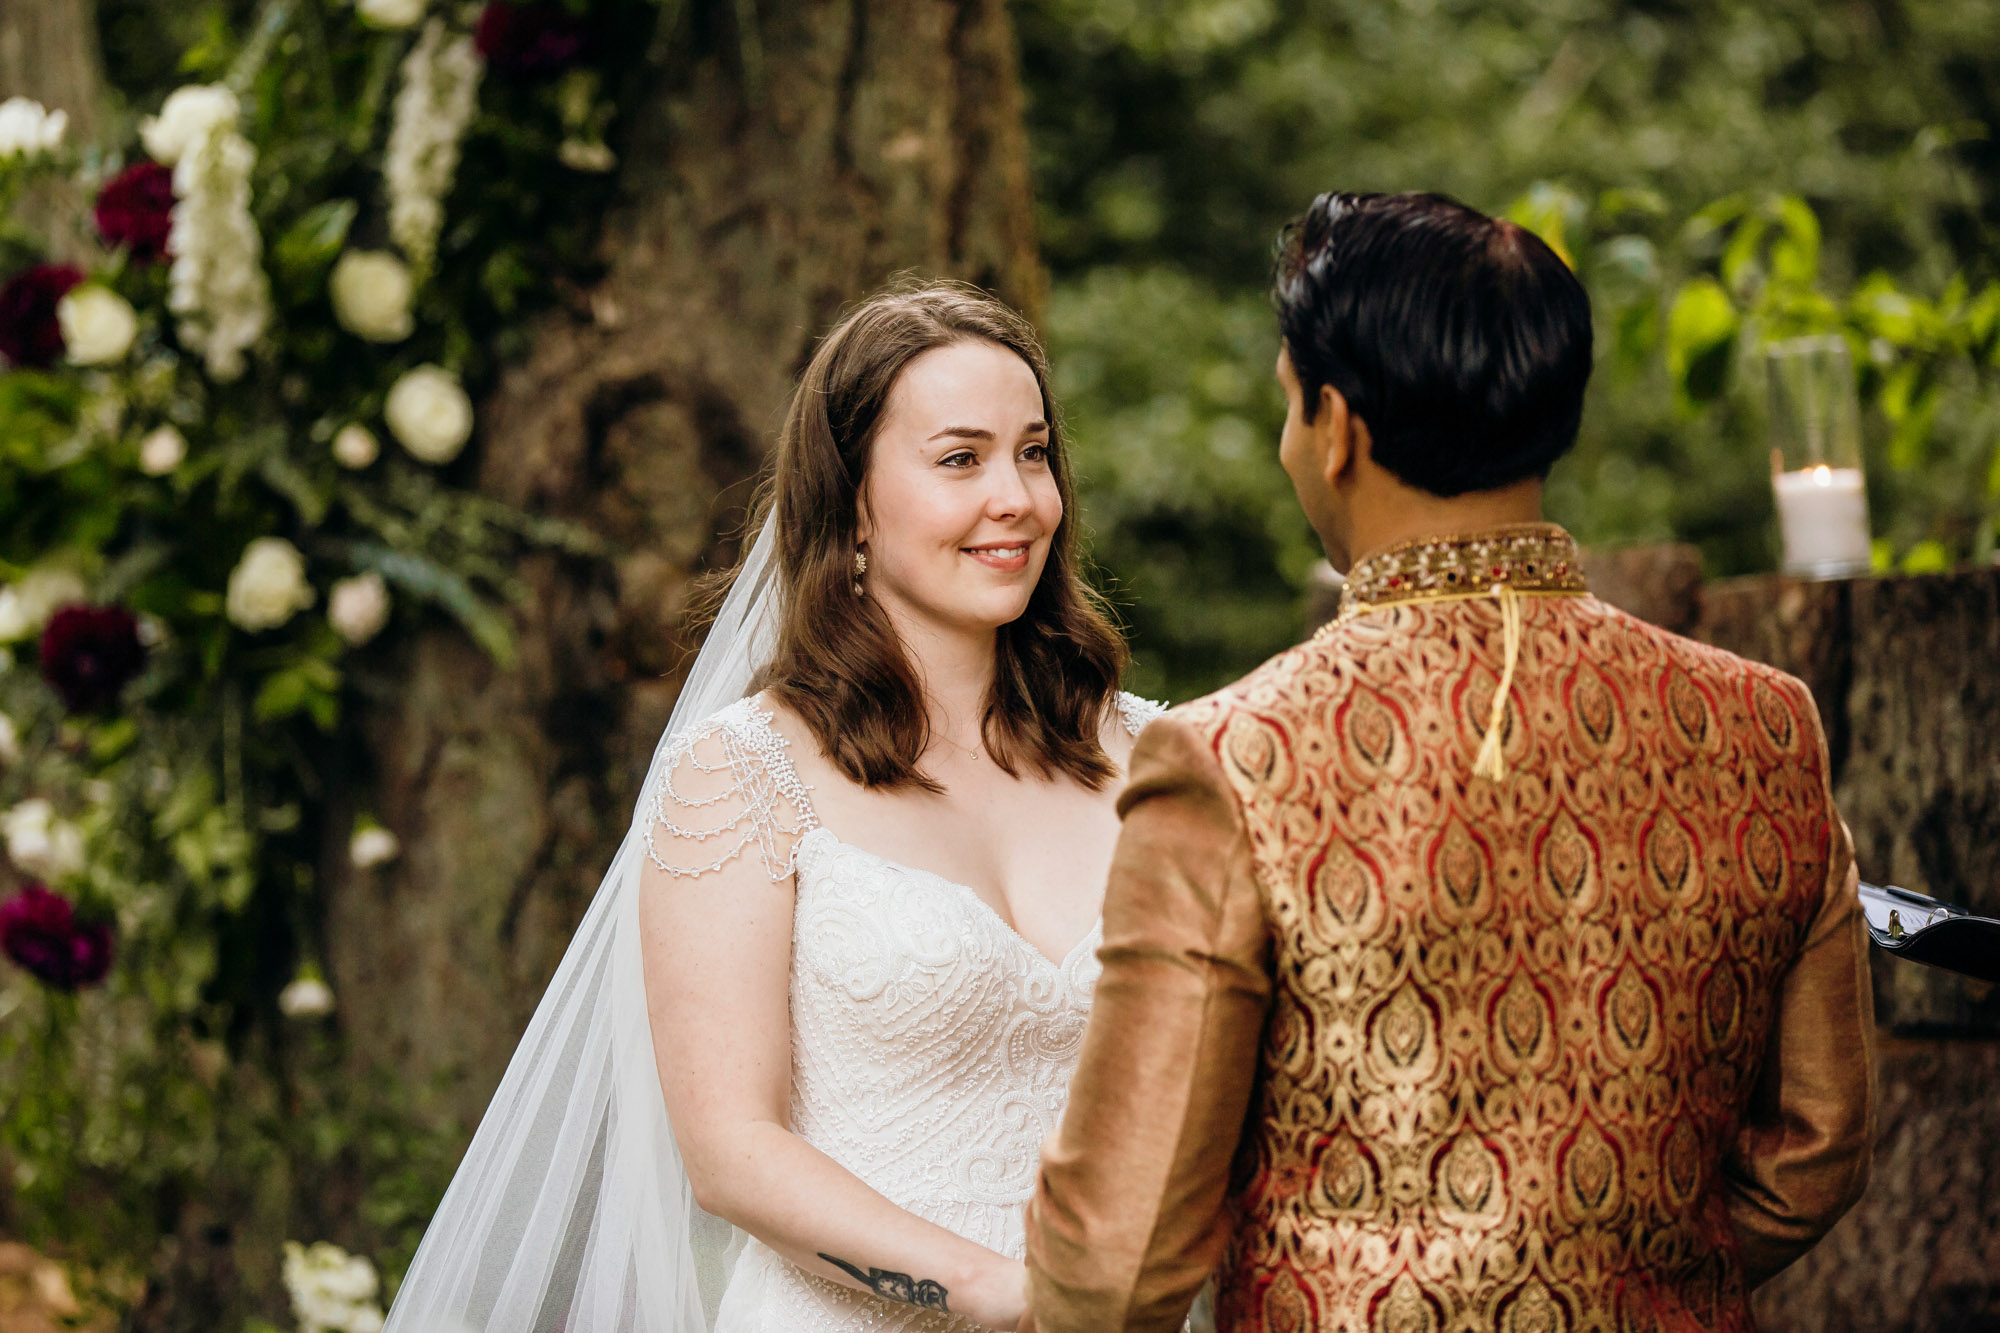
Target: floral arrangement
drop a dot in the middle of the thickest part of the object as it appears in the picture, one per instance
(208, 555)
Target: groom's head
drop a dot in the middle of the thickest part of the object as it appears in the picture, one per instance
(1431, 354)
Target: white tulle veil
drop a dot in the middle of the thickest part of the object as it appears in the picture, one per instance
(571, 1210)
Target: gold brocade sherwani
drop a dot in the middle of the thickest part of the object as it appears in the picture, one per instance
(1582, 1043)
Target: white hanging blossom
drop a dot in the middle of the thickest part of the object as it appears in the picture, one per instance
(433, 107)
(217, 285)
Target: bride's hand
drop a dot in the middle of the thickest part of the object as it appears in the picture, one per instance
(999, 1298)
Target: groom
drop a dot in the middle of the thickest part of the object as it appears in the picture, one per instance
(1492, 960)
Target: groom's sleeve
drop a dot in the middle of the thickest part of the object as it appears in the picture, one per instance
(1801, 1156)
(1129, 1218)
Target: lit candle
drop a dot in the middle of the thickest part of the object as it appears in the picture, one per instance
(1823, 512)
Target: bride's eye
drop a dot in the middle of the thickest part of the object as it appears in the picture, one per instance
(1035, 453)
(963, 458)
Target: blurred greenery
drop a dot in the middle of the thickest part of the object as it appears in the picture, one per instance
(1172, 138)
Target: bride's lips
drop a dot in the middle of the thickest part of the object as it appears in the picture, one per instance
(1003, 556)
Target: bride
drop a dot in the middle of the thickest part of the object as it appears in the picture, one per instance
(796, 1068)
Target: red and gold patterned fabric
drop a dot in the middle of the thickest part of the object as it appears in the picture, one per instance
(1581, 1047)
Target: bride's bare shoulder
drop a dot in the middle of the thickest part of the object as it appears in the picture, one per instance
(1127, 716)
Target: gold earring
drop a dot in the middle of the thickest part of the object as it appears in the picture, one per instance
(860, 568)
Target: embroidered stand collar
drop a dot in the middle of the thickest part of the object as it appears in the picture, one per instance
(1529, 558)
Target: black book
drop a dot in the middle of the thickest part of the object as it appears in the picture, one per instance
(1929, 930)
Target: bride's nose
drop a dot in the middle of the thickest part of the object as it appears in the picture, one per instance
(1008, 496)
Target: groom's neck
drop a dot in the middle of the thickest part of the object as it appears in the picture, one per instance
(1399, 513)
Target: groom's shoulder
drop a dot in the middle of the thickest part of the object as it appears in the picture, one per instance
(1659, 648)
(1281, 690)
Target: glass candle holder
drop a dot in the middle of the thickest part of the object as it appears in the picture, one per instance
(1816, 457)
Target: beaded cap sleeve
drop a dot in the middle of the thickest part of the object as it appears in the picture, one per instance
(1136, 712)
(729, 790)
(730, 787)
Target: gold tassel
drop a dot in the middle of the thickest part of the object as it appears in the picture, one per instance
(1491, 762)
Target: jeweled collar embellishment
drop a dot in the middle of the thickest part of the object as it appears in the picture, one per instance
(1536, 559)
(1506, 564)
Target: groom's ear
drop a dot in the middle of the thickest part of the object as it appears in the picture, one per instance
(1336, 428)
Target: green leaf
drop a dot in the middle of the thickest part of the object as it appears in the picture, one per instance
(505, 277)
(1740, 270)
(310, 685)
(1795, 255)
(307, 247)
(112, 739)
(446, 588)
(1928, 557)
(1701, 334)
(1886, 311)
(1549, 210)
(285, 477)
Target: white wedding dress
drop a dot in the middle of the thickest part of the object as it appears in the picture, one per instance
(932, 1045)
(932, 1049)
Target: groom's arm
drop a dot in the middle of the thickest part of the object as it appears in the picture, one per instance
(1129, 1216)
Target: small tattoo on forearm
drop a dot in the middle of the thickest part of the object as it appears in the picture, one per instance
(927, 1295)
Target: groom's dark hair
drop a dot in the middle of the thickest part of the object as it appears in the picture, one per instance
(1463, 341)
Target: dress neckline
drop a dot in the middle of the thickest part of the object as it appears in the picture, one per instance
(973, 895)
(1133, 711)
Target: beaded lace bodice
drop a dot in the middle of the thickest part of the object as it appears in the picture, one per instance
(932, 1045)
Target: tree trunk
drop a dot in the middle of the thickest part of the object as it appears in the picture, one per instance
(775, 176)
(49, 51)
(1903, 670)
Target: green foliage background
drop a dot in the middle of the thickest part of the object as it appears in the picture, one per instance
(1172, 138)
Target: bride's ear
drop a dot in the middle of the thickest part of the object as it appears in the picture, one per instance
(864, 525)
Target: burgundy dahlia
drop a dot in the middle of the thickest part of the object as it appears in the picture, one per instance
(89, 952)
(528, 41)
(29, 333)
(40, 932)
(135, 209)
(89, 652)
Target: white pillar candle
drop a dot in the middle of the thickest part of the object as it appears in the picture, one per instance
(1823, 512)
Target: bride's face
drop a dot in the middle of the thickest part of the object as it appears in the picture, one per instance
(959, 503)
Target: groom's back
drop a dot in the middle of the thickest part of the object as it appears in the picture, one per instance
(1521, 1027)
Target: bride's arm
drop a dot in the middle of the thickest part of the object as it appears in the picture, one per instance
(718, 953)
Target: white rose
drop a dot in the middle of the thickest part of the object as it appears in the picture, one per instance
(14, 622)
(429, 413)
(306, 997)
(371, 295)
(355, 446)
(98, 325)
(186, 119)
(268, 585)
(162, 451)
(390, 13)
(357, 608)
(27, 129)
(332, 1291)
(39, 843)
(586, 155)
(10, 741)
(27, 605)
(372, 846)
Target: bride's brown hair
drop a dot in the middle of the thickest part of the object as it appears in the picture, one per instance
(839, 665)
